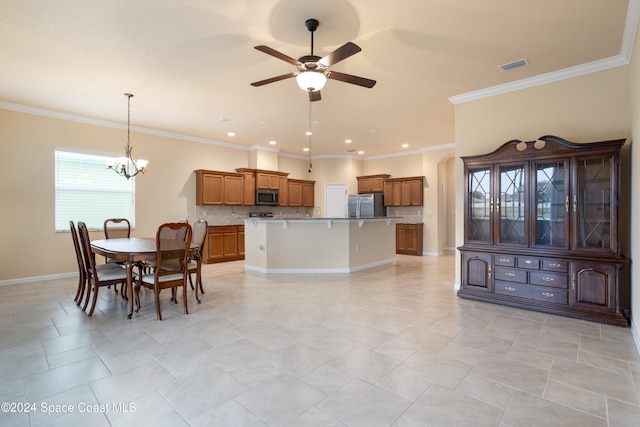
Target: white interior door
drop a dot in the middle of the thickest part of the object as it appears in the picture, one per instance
(335, 200)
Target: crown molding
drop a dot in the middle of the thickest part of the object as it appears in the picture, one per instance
(623, 58)
(115, 125)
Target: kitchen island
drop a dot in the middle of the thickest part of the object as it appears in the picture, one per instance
(318, 245)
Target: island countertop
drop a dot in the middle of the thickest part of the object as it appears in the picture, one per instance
(318, 245)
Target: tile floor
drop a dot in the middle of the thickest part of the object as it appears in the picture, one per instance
(388, 346)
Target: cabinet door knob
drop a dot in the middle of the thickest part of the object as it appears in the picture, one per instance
(555, 265)
(547, 294)
(510, 274)
(528, 261)
(504, 260)
(548, 279)
(509, 289)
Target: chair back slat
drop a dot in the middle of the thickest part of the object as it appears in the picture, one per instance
(173, 253)
(117, 228)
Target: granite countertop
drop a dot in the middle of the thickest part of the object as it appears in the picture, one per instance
(303, 218)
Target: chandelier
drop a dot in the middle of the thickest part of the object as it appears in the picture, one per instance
(127, 166)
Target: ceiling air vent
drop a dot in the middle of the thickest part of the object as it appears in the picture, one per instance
(514, 64)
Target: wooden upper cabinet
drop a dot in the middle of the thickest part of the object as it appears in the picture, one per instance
(407, 191)
(301, 192)
(294, 192)
(268, 180)
(308, 194)
(234, 190)
(283, 192)
(219, 188)
(249, 188)
(209, 188)
(371, 183)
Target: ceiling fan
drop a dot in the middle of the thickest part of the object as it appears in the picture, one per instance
(313, 71)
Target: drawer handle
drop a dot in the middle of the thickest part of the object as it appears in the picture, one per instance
(504, 260)
(548, 279)
(528, 261)
(509, 289)
(510, 274)
(547, 294)
(555, 265)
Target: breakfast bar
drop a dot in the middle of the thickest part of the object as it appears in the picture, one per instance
(318, 245)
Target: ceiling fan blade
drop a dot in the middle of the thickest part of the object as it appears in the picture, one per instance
(279, 55)
(273, 79)
(348, 78)
(343, 52)
(314, 95)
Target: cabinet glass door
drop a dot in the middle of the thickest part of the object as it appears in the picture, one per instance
(479, 205)
(510, 204)
(551, 204)
(592, 207)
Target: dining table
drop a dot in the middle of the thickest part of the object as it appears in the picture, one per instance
(134, 251)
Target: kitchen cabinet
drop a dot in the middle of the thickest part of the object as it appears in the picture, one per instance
(283, 192)
(541, 229)
(219, 188)
(268, 180)
(409, 240)
(249, 188)
(407, 191)
(224, 243)
(371, 183)
(301, 192)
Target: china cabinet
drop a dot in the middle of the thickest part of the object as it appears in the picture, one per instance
(541, 229)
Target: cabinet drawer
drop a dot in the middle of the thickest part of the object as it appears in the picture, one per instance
(555, 265)
(540, 293)
(543, 278)
(504, 260)
(511, 275)
(529, 262)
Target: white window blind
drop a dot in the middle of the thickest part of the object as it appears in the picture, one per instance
(87, 191)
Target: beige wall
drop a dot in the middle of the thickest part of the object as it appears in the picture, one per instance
(166, 192)
(634, 232)
(593, 107)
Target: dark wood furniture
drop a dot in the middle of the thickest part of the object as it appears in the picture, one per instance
(541, 229)
(172, 266)
(97, 278)
(409, 238)
(132, 252)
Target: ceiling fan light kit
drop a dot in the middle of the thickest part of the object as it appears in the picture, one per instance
(313, 71)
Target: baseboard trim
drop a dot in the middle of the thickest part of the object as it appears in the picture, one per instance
(32, 279)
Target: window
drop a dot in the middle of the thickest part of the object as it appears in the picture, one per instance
(87, 191)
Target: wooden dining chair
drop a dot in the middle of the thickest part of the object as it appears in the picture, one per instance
(115, 228)
(200, 228)
(172, 265)
(97, 277)
(82, 272)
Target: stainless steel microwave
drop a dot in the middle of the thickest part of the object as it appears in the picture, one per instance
(267, 197)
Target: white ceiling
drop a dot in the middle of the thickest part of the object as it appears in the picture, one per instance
(190, 63)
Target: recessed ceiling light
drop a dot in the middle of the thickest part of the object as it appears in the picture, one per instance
(272, 142)
(308, 133)
(231, 134)
(360, 152)
(305, 149)
(347, 141)
(405, 145)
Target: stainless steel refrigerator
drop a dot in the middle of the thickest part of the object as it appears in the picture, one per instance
(366, 205)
